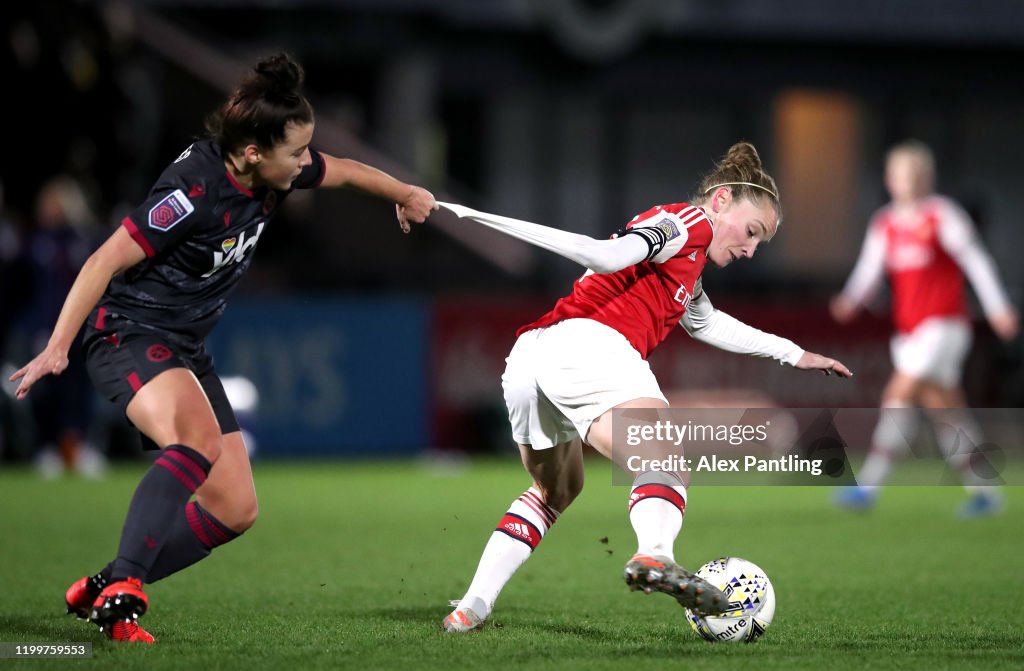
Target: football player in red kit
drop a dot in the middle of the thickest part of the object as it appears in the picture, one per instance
(925, 243)
(149, 296)
(588, 356)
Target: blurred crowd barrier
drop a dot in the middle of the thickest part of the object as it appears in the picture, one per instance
(371, 376)
(363, 376)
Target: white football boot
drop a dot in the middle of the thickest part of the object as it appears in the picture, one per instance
(465, 617)
(660, 574)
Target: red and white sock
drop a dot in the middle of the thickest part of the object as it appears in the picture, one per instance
(656, 513)
(516, 536)
(959, 438)
(897, 425)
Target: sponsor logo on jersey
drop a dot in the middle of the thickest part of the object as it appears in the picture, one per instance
(170, 211)
(908, 256)
(232, 250)
(683, 296)
(692, 256)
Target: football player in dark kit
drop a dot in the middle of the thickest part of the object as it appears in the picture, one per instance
(149, 296)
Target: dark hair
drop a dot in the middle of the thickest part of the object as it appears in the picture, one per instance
(741, 170)
(261, 108)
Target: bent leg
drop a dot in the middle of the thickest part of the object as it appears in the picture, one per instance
(230, 492)
(557, 475)
(225, 507)
(172, 410)
(895, 431)
(959, 438)
(657, 499)
(657, 503)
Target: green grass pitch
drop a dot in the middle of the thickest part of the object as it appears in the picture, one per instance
(351, 566)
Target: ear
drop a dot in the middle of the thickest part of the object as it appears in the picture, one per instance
(252, 154)
(721, 198)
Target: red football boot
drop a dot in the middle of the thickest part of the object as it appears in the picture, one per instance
(117, 608)
(129, 632)
(81, 595)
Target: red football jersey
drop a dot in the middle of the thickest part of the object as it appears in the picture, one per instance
(925, 280)
(645, 301)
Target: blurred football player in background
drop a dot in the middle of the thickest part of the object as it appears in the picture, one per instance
(925, 243)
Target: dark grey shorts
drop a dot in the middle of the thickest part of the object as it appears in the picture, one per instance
(120, 363)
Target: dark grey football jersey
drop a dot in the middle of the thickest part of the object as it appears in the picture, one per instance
(199, 228)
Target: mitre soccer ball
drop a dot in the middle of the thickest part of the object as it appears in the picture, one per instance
(751, 602)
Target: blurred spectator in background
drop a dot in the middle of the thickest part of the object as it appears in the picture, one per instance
(10, 282)
(12, 293)
(64, 232)
(926, 243)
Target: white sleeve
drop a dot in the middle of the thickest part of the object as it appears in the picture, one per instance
(668, 231)
(960, 240)
(867, 275)
(706, 324)
(601, 256)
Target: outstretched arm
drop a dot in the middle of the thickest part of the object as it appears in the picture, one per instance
(118, 253)
(865, 279)
(714, 327)
(959, 238)
(601, 256)
(412, 203)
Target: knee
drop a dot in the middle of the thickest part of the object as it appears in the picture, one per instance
(562, 495)
(237, 514)
(246, 517)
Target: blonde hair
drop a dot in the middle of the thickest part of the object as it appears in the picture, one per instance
(919, 151)
(741, 169)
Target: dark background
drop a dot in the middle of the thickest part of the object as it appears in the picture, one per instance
(573, 113)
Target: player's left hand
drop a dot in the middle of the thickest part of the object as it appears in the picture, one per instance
(415, 208)
(812, 361)
(1006, 324)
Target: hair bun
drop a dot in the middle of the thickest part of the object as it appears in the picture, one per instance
(743, 154)
(279, 76)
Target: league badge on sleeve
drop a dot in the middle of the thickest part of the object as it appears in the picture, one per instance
(668, 227)
(170, 211)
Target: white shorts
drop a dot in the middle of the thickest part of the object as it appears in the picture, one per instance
(934, 351)
(559, 379)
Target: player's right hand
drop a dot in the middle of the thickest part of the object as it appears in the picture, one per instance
(47, 362)
(842, 309)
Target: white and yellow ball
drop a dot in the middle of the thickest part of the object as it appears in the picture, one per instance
(751, 602)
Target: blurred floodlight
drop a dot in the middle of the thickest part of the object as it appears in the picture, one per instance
(242, 393)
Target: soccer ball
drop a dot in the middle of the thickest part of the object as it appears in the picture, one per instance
(751, 602)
